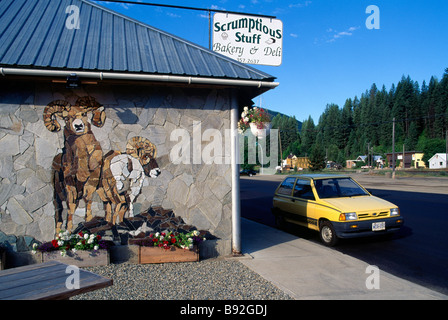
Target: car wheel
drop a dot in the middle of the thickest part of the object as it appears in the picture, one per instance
(328, 234)
(280, 221)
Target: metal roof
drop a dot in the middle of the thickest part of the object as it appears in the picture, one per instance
(33, 34)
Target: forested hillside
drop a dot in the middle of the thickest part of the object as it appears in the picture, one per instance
(345, 132)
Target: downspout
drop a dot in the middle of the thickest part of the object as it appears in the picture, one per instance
(235, 150)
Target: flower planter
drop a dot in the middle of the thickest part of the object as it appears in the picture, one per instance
(173, 254)
(80, 258)
(260, 132)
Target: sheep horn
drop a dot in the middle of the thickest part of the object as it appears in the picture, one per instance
(55, 108)
(90, 104)
(141, 148)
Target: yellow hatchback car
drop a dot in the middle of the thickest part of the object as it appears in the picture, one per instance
(336, 206)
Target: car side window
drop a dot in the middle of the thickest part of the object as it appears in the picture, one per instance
(286, 186)
(303, 190)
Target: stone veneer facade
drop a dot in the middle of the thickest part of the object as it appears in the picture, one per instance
(199, 193)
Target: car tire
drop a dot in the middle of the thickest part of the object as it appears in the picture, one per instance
(280, 222)
(328, 234)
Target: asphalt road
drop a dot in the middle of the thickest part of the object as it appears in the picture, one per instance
(418, 252)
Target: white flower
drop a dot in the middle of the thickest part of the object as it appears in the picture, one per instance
(96, 247)
(60, 243)
(246, 108)
(74, 250)
(195, 232)
(86, 236)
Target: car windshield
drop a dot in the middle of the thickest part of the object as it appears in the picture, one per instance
(338, 187)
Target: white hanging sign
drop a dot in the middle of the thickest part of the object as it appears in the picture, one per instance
(248, 39)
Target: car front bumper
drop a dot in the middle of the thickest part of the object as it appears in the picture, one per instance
(353, 229)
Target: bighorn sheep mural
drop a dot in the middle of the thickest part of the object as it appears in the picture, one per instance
(77, 170)
(122, 168)
(81, 169)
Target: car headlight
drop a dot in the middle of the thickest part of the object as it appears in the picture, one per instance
(395, 212)
(348, 216)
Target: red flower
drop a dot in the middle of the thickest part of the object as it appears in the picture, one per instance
(173, 240)
(81, 234)
(98, 237)
(55, 243)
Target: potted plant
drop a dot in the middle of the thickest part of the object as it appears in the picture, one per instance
(82, 249)
(162, 247)
(257, 119)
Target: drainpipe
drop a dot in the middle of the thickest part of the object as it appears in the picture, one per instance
(235, 156)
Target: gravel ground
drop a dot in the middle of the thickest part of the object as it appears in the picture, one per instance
(211, 279)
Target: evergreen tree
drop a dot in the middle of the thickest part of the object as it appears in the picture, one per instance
(308, 135)
(317, 158)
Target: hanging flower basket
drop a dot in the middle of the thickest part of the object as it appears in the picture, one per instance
(257, 119)
(260, 130)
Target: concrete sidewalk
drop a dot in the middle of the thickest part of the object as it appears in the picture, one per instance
(306, 270)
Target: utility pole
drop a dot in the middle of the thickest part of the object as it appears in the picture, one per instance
(403, 166)
(446, 148)
(368, 154)
(281, 151)
(393, 149)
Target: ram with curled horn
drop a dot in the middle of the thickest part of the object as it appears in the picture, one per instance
(123, 176)
(77, 170)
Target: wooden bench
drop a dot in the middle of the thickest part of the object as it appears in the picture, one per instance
(46, 281)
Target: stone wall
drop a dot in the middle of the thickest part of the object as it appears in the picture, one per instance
(200, 193)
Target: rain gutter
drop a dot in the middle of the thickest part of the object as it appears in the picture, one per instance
(137, 77)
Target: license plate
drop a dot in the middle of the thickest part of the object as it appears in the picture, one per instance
(378, 226)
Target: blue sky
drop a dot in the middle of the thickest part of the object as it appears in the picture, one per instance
(329, 54)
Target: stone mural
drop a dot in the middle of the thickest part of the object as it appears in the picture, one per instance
(80, 169)
(92, 153)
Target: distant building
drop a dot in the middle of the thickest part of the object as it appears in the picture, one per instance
(377, 161)
(412, 159)
(438, 161)
(293, 161)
